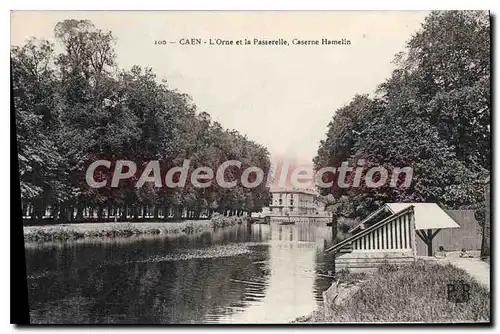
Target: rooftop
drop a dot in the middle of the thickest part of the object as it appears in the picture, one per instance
(295, 191)
(427, 215)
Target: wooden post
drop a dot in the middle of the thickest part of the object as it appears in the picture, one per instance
(334, 228)
(429, 242)
(334, 267)
(485, 242)
(413, 231)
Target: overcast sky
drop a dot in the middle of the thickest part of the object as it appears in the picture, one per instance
(281, 97)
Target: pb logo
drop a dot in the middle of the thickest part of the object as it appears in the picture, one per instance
(458, 291)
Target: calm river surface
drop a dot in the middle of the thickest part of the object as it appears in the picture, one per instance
(241, 274)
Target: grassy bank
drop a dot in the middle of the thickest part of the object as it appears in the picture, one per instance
(66, 232)
(411, 293)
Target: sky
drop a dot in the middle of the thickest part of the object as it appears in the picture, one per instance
(282, 97)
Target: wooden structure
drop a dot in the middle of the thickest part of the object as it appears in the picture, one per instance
(468, 236)
(485, 246)
(389, 234)
(390, 239)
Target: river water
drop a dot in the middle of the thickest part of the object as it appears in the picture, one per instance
(242, 274)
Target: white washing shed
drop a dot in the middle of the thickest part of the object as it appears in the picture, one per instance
(389, 233)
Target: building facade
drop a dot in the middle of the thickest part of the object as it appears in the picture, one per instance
(293, 202)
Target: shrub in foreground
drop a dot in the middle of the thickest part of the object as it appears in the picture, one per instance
(219, 220)
(414, 293)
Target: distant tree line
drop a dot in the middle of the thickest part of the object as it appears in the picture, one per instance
(432, 114)
(77, 106)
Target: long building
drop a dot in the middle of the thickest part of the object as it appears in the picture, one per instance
(294, 202)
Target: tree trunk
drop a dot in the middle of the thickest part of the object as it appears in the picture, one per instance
(38, 210)
(100, 213)
(124, 213)
(71, 211)
(136, 212)
(165, 212)
(60, 217)
(79, 212)
(32, 213)
(177, 213)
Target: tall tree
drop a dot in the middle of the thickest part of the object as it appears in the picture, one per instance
(432, 114)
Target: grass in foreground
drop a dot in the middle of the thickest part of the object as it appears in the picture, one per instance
(411, 293)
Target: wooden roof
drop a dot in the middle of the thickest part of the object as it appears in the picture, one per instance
(427, 215)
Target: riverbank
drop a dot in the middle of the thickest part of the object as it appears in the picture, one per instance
(67, 232)
(410, 293)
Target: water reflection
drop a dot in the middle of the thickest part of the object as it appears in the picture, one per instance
(243, 274)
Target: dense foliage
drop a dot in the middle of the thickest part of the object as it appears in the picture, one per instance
(77, 106)
(432, 114)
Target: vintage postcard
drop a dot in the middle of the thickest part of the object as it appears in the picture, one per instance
(253, 167)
